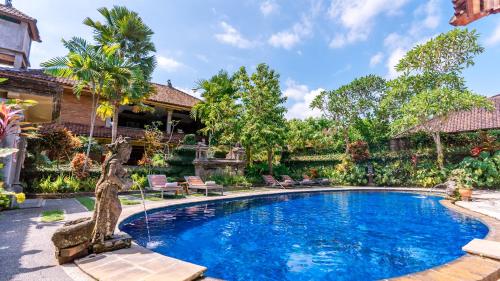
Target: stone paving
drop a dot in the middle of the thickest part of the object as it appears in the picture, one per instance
(484, 202)
(26, 252)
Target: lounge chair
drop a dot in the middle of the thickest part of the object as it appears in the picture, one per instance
(160, 183)
(287, 178)
(271, 181)
(195, 182)
(307, 181)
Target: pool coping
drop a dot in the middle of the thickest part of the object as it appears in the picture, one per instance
(467, 267)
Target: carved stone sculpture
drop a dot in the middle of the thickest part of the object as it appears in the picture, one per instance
(83, 236)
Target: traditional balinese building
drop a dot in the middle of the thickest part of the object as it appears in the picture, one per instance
(57, 105)
(464, 121)
(467, 11)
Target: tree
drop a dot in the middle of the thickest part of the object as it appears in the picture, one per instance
(125, 28)
(347, 104)
(432, 87)
(92, 68)
(309, 133)
(219, 110)
(264, 125)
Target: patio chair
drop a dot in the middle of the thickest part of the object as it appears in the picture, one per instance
(160, 183)
(195, 183)
(307, 181)
(271, 181)
(287, 178)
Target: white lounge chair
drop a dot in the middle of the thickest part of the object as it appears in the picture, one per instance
(160, 183)
(195, 183)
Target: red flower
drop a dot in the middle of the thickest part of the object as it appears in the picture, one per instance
(476, 151)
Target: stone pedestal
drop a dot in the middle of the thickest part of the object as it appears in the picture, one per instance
(119, 241)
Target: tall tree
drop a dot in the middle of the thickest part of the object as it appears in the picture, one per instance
(219, 110)
(347, 104)
(126, 28)
(92, 68)
(432, 87)
(264, 125)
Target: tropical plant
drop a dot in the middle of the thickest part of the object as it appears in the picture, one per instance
(432, 87)
(263, 119)
(78, 166)
(126, 29)
(359, 150)
(93, 68)
(219, 110)
(483, 170)
(347, 104)
(60, 143)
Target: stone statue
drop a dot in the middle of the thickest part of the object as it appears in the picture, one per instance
(80, 237)
(108, 208)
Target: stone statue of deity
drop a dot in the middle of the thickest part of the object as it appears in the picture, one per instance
(80, 237)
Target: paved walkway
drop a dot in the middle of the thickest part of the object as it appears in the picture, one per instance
(484, 202)
(26, 252)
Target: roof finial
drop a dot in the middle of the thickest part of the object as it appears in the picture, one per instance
(8, 3)
(169, 83)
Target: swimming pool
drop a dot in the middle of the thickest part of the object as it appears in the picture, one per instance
(311, 236)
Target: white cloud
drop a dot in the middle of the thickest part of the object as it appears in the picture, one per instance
(168, 64)
(302, 98)
(358, 16)
(202, 57)
(289, 38)
(395, 56)
(495, 36)
(294, 91)
(426, 19)
(427, 16)
(233, 37)
(376, 59)
(191, 92)
(268, 7)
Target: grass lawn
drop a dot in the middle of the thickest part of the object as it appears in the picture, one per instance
(52, 216)
(126, 201)
(88, 202)
(157, 197)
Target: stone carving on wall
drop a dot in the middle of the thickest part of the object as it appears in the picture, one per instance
(83, 236)
(233, 164)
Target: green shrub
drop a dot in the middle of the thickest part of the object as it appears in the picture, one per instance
(189, 139)
(229, 180)
(484, 169)
(64, 184)
(140, 181)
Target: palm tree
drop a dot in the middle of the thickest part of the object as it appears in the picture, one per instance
(126, 29)
(91, 67)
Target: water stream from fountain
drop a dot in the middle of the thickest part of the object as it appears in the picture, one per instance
(150, 244)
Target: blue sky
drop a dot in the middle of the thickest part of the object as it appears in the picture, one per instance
(313, 44)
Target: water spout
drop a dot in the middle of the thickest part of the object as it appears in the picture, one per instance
(150, 244)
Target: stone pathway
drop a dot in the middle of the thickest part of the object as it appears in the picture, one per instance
(26, 252)
(484, 202)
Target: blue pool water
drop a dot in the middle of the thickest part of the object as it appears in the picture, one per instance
(312, 236)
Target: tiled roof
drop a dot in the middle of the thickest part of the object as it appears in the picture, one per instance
(468, 121)
(16, 14)
(104, 132)
(171, 95)
(164, 93)
(37, 74)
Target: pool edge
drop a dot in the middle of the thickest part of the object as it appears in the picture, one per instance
(468, 266)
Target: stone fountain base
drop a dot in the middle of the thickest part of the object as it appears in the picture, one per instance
(72, 241)
(119, 241)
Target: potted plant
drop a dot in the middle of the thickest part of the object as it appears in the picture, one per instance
(463, 182)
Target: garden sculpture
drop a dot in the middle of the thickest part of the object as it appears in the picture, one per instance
(80, 237)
